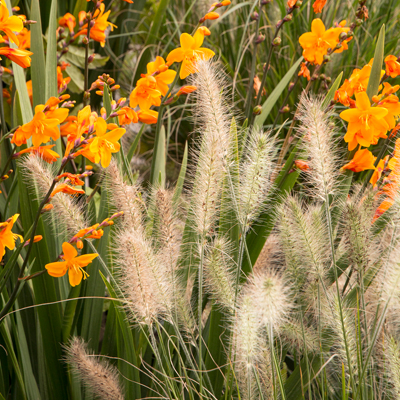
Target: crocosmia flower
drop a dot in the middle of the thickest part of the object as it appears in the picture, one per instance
(9, 25)
(7, 238)
(190, 53)
(72, 263)
(365, 122)
(316, 43)
(362, 160)
(105, 143)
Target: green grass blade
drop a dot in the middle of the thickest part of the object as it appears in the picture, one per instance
(157, 172)
(181, 178)
(375, 76)
(329, 96)
(51, 53)
(276, 93)
(38, 66)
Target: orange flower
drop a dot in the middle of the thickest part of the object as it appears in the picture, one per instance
(81, 16)
(128, 116)
(342, 28)
(94, 234)
(7, 238)
(164, 78)
(97, 32)
(68, 21)
(316, 43)
(390, 164)
(145, 94)
(391, 104)
(189, 53)
(44, 152)
(291, 3)
(9, 25)
(73, 264)
(105, 143)
(20, 57)
(64, 188)
(61, 81)
(301, 164)
(304, 71)
(24, 38)
(72, 178)
(70, 126)
(362, 160)
(148, 116)
(42, 127)
(85, 119)
(365, 122)
(392, 66)
(318, 6)
(186, 90)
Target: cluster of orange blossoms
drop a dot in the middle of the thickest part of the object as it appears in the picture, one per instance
(368, 121)
(319, 42)
(153, 85)
(11, 26)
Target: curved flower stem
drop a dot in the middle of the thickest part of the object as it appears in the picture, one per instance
(252, 69)
(86, 83)
(14, 293)
(3, 120)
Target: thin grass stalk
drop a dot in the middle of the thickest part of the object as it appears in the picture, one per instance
(247, 107)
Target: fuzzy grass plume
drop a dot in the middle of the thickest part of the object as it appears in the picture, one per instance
(67, 216)
(99, 377)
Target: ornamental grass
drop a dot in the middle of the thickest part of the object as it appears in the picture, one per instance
(199, 201)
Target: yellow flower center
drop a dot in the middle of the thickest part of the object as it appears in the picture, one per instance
(192, 56)
(364, 119)
(105, 144)
(76, 267)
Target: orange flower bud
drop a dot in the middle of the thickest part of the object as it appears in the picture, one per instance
(204, 30)
(148, 116)
(186, 90)
(211, 16)
(79, 244)
(300, 164)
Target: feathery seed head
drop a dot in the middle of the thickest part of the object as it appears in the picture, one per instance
(144, 280)
(213, 120)
(219, 271)
(98, 376)
(124, 197)
(67, 214)
(317, 139)
(255, 176)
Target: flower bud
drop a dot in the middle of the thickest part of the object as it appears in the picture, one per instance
(259, 39)
(86, 95)
(291, 86)
(92, 22)
(90, 58)
(285, 109)
(327, 58)
(277, 41)
(322, 77)
(257, 110)
(255, 16)
(265, 2)
(85, 40)
(343, 36)
(288, 17)
(298, 4)
(211, 16)
(350, 34)
(358, 22)
(328, 79)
